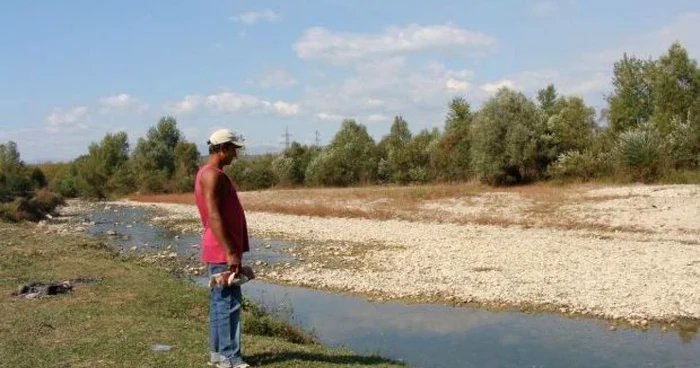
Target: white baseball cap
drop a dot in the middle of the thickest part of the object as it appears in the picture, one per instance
(224, 136)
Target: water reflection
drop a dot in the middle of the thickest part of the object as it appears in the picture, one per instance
(440, 336)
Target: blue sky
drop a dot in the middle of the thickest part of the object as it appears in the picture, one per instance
(72, 71)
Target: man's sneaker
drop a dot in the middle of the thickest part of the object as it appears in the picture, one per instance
(227, 364)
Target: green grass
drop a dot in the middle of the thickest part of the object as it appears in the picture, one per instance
(114, 321)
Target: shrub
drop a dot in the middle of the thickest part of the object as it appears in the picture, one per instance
(680, 145)
(35, 208)
(638, 153)
(576, 165)
(253, 173)
(283, 167)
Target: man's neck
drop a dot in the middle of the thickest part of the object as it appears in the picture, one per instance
(215, 161)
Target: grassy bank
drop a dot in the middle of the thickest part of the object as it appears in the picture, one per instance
(113, 322)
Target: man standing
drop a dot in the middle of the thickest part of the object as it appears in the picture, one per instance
(224, 241)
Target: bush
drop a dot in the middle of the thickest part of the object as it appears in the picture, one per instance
(680, 145)
(36, 208)
(283, 167)
(576, 165)
(253, 173)
(65, 182)
(639, 153)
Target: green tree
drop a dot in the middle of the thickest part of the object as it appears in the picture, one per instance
(509, 142)
(187, 158)
(548, 98)
(419, 151)
(96, 169)
(15, 178)
(393, 153)
(153, 160)
(631, 102)
(676, 87)
(572, 125)
(350, 158)
(451, 159)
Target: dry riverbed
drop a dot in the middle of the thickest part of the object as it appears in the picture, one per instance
(629, 254)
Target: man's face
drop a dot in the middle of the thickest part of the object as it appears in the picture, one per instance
(230, 152)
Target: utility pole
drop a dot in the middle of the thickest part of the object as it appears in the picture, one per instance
(318, 141)
(286, 137)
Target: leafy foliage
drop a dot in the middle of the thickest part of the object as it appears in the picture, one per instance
(639, 152)
(508, 139)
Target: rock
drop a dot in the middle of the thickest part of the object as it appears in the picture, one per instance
(111, 232)
(612, 328)
(177, 237)
(195, 245)
(172, 255)
(134, 248)
(125, 237)
(268, 246)
(259, 263)
(644, 323)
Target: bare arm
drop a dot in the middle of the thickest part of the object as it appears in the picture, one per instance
(213, 190)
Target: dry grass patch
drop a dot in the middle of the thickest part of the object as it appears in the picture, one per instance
(535, 205)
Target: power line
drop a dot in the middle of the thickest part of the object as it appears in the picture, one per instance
(286, 137)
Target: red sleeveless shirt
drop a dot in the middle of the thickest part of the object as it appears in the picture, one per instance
(233, 218)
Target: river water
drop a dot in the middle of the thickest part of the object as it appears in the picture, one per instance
(425, 335)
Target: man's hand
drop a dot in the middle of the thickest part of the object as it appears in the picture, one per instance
(234, 263)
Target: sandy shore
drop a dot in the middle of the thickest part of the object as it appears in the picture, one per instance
(649, 273)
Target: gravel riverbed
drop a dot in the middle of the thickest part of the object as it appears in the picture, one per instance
(639, 278)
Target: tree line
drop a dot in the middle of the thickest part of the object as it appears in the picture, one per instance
(652, 133)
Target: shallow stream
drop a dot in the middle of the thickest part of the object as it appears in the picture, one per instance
(420, 334)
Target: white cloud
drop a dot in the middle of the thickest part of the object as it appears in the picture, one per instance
(543, 8)
(278, 79)
(253, 17)
(495, 86)
(456, 85)
(185, 106)
(71, 118)
(370, 118)
(122, 101)
(285, 108)
(320, 43)
(231, 103)
(380, 89)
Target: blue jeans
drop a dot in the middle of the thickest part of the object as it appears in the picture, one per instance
(224, 320)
